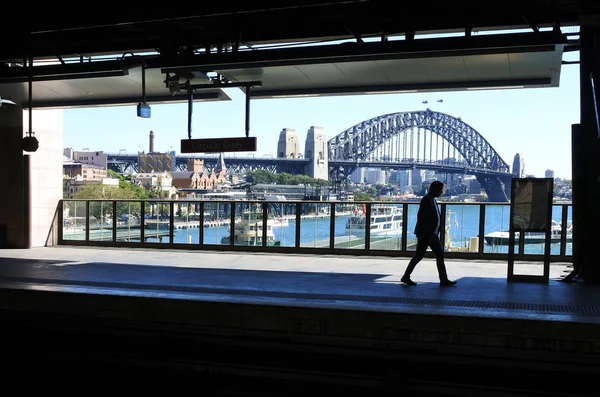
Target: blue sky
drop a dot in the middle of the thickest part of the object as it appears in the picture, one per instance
(534, 122)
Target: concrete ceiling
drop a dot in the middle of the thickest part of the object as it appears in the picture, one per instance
(125, 88)
(519, 70)
(226, 40)
(509, 60)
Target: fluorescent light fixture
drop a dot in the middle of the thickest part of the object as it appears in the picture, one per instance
(506, 87)
(6, 102)
(66, 76)
(391, 92)
(294, 95)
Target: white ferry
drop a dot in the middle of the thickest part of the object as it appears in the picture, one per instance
(502, 237)
(386, 221)
(248, 230)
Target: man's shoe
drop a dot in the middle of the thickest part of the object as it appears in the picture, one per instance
(407, 281)
(447, 283)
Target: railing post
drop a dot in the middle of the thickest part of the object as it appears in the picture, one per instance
(142, 221)
(481, 233)
(61, 220)
(114, 226)
(298, 220)
(171, 222)
(265, 220)
(332, 225)
(404, 240)
(201, 232)
(563, 229)
(87, 219)
(231, 223)
(368, 227)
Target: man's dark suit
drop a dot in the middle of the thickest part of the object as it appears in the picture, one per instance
(428, 220)
(427, 232)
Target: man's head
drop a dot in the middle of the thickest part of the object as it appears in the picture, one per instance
(436, 188)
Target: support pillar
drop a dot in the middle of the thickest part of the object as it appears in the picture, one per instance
(14, 200)
(586, 165)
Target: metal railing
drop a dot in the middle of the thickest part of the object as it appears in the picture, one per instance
(468, 230)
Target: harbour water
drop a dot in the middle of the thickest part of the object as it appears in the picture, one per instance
(462, 224)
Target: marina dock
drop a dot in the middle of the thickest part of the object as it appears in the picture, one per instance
(122, 235)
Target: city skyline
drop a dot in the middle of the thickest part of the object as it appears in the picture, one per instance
(534, 122)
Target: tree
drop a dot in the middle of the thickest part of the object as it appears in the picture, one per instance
(260, 177)
(266, 177)
(363, 197)
(105, 192)
(154, 192)
(138, 191)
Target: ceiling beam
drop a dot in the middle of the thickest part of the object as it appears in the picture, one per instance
(402, 88)
(67, 71)
(347, 52)
(351, 52)
(151, 99)
(122, 31)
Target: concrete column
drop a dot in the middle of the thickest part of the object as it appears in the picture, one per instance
(46, 173)
(586, 184)
(14, 227)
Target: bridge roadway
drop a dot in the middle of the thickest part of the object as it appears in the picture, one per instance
(264, 325)
(495, 183)
(122, 162)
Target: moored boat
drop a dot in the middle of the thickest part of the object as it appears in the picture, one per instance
(248, 230)
(385, 221)
(502, 237)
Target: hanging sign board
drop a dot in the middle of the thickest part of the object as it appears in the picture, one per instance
(218, 145)
(531, 204)
(530, 214)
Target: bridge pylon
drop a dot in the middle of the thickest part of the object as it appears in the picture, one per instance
(315, 149)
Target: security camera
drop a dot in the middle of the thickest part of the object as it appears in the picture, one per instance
(30, 143)
(174, 87)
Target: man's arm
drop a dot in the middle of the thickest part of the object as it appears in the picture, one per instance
(427, 216)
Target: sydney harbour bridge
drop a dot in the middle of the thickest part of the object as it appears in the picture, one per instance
(422, 139)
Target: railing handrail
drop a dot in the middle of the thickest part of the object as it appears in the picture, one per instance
(415, 201)
(228, 216)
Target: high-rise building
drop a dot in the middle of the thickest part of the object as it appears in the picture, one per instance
(416, 179)
(549, 174)
(358, 176)
(403, 178)
(99, 159)
(376, 176)
(518, 168)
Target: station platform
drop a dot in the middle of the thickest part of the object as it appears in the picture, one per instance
(331, 321)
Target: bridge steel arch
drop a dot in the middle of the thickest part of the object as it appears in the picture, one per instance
(357, 143)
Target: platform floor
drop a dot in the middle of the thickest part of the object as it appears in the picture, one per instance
(325, 281)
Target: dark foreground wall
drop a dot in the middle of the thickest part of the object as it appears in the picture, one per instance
(224, 348)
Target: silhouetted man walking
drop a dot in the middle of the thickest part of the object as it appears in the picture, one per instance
(427, 231)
